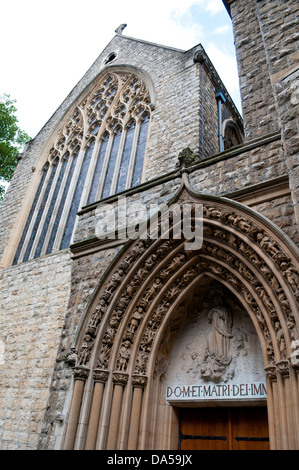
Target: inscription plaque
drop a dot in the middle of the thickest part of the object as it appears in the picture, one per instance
(217, 356)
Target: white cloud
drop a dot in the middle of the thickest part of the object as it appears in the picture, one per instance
(222, 29)
(213, 6)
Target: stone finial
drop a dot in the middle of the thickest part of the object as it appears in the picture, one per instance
(120, 29)
(187, 158)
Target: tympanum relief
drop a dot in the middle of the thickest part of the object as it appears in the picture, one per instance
(216, 355)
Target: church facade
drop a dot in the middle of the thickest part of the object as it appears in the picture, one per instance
(149, 253)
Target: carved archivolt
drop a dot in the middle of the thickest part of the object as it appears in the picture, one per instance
(136, 301)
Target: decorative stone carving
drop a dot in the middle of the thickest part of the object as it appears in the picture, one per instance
(158, 316)
(85, 351)
(100, 375)
(280, 338)
(71, 358)
(226, 232)
(217, 345)
(217, 356)
(81, 373)
(124, 355)
(294, 358)
(271, 372)
(283, 368)
(187, 158)
(291, 275)
(139, 381)
(119, 378)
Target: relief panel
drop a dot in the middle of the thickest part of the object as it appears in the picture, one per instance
(217, 356)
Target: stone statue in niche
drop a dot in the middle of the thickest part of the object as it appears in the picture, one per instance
(217, 355)
(217, 343)
(220, 333)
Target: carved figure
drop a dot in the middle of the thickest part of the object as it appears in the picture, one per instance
(85, 352)
(280, 338)
(291, 275)
(136, 319)
(216, 358)
(220, 334)
(240, 339)
(124, 355)
(267, 244)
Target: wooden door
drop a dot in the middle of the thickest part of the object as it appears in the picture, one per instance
(224, 429)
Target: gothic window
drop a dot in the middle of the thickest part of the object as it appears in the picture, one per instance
(231, 135)
(99, 152)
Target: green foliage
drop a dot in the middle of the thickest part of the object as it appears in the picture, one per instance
(12, 140)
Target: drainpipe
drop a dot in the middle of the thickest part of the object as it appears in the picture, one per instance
(219, 95)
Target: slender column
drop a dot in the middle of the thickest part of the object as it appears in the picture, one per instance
(275, 424)
(271, 377)
(283, 368)
(120, 381)
(139, 383)
(294, 373)
(81, 374)
(100, 378)
(282, 405)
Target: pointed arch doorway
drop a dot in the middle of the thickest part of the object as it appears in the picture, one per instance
(215, 377)
(119, 397)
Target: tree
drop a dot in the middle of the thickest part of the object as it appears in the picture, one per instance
(12, 140)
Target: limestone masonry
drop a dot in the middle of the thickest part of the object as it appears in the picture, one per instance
(97, 337)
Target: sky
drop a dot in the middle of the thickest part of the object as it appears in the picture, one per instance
(46, 47)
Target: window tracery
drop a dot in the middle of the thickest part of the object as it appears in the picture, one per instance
(99, 152)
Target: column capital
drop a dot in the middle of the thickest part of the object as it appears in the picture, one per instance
(139, 381)
(81, 373)
(100, 375)
(283, 368)
(271, 372)
(119, 378)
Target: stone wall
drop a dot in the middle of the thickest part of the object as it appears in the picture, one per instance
(86, 274)
(36, 319)
(258, 104)
(33, 302)
(219, 177)
(226, 174)
(281, 211)
(43, 300)
(267, 49)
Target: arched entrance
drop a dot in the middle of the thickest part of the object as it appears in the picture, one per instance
(215, 376)
(119, 381)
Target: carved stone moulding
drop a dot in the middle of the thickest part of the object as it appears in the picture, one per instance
(236, 245)
(271, 372)
(100, 375)
(139, 380)
(119, 378)
(81, 373)
(283, 368)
